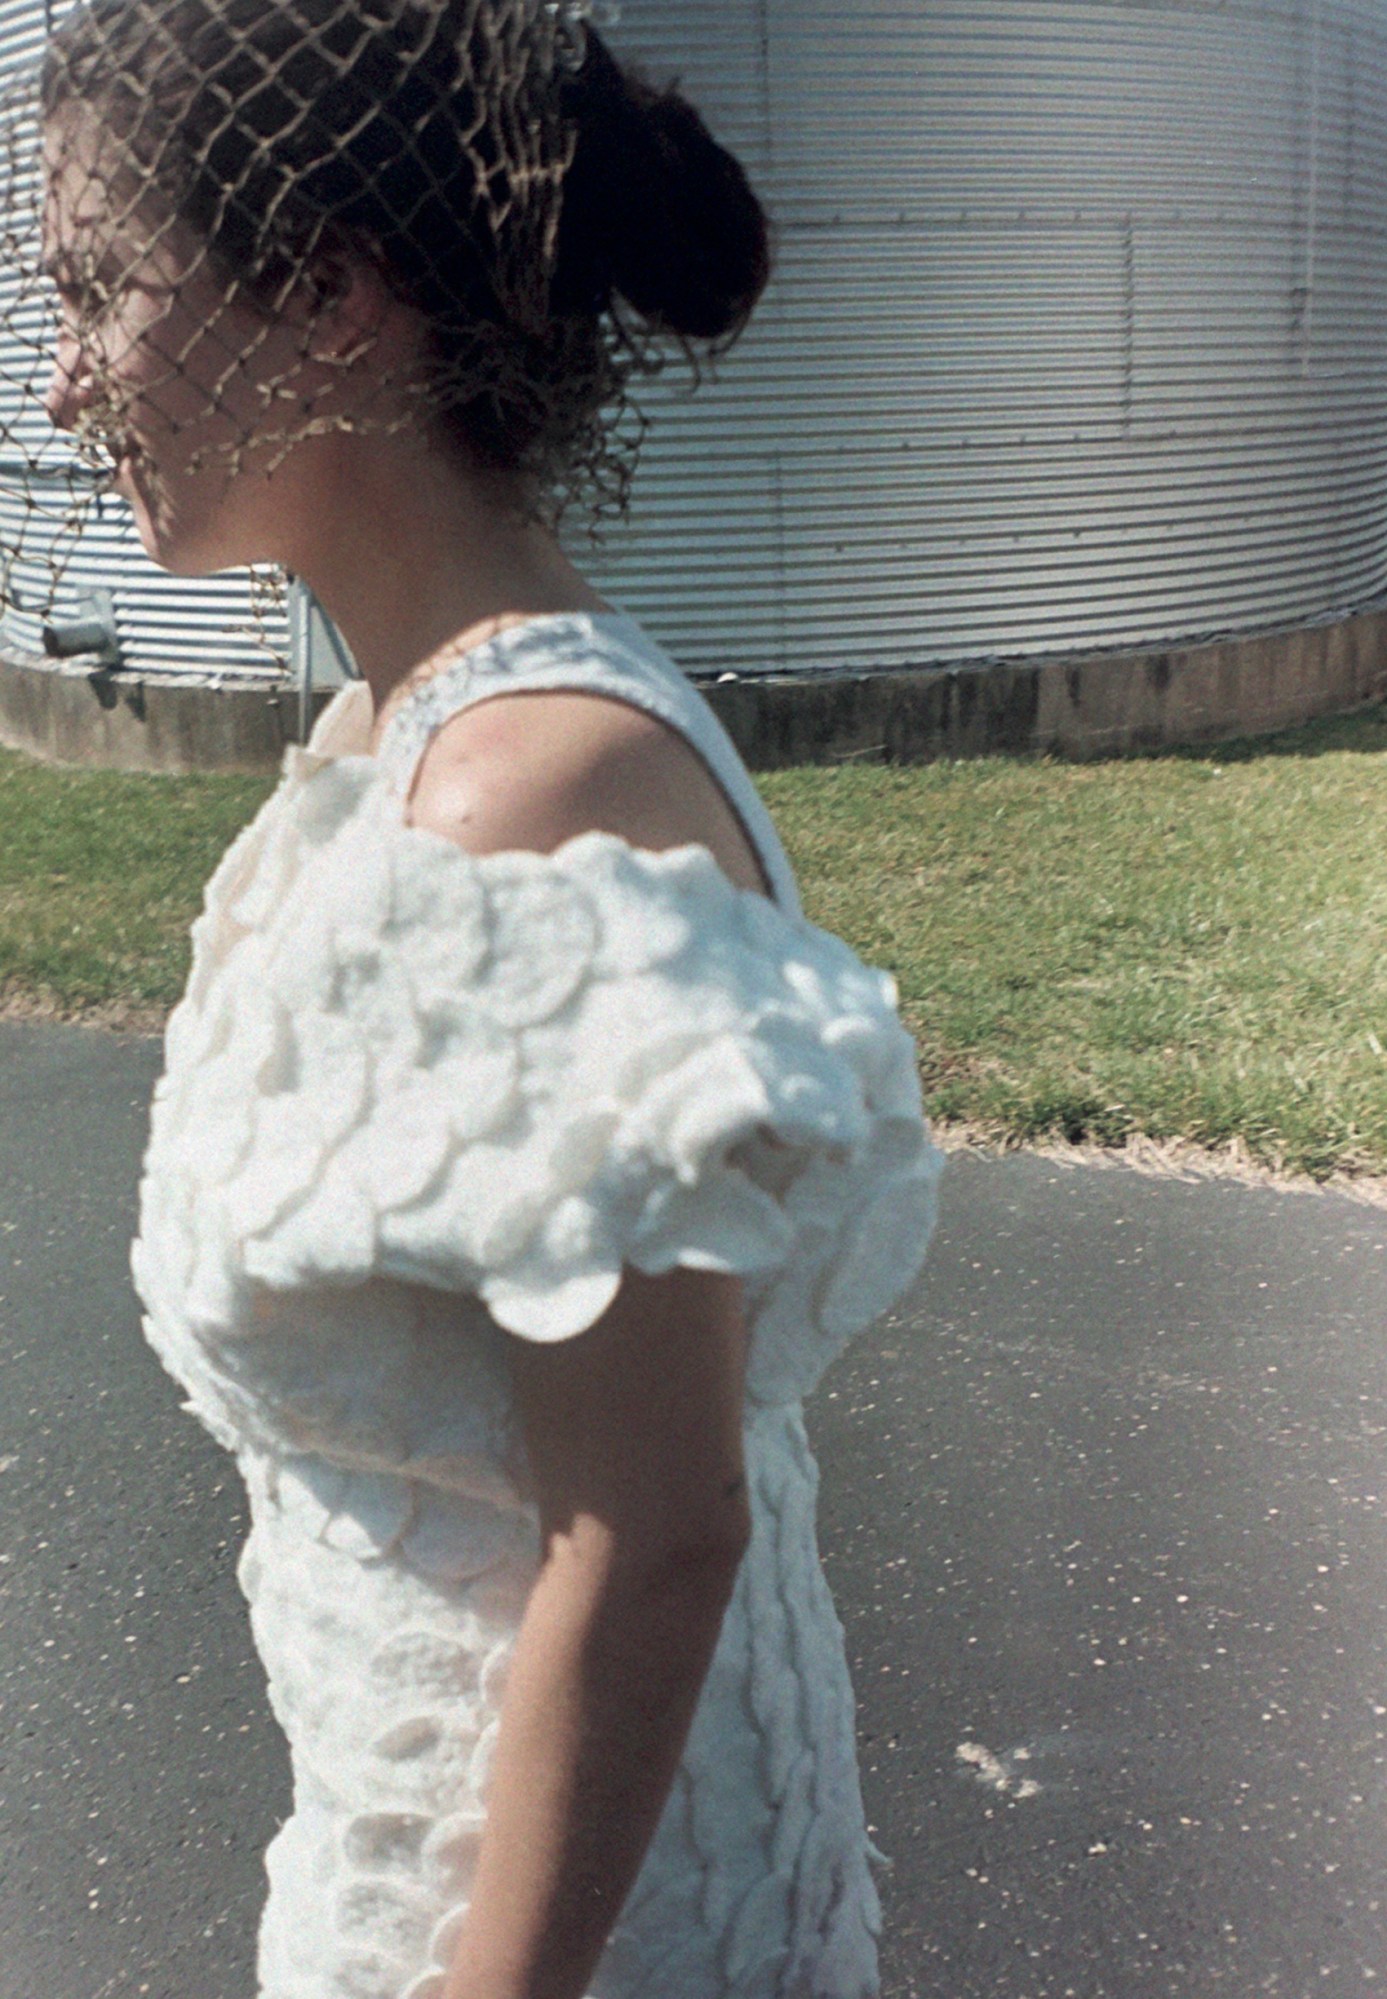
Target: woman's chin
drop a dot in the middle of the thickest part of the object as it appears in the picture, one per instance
(161, 548)
(198, 519)
(130, 488)
(174, 545)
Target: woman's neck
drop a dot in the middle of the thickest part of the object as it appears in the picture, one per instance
(416, 562)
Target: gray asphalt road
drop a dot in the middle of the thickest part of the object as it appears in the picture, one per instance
(1102, 1510)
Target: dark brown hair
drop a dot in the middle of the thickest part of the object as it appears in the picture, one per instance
(557, 226)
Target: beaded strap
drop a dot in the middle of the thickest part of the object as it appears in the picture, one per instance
(407, 734)
(579, 651)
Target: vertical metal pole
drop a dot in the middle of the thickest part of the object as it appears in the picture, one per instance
(1129, 322)
(1312, 192)
(302, 642)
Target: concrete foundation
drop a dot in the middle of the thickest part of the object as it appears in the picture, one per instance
(1080, 705)
(1076, 706)
(72, 712)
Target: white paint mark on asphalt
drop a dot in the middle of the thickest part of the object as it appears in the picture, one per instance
(997, 1772)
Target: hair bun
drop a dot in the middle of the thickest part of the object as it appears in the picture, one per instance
(655, 211)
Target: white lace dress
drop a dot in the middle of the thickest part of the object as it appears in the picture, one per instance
(419, 1104)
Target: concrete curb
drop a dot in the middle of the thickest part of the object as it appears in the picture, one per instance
(76, 712)
(1075, 705)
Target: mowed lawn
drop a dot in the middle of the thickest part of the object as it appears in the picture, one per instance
(1187, 946)
(1190, 946)
(101, 874)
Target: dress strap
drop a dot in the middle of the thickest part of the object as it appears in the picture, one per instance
(604, 653)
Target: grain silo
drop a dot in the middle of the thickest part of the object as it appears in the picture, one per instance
(1076, 340)
(1078, 336)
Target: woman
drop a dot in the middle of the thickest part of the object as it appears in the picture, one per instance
(522, 1154)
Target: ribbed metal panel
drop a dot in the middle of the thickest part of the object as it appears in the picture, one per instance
(207, 624)
(1076, 339)
(28, 434)
(1077, 336)
(23, 32)
(166, 623)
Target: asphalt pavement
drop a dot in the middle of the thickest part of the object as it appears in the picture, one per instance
(1102, 1508)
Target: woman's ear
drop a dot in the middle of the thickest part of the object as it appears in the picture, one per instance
(346, 304)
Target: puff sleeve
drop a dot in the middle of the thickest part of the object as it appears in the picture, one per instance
(510, 1075)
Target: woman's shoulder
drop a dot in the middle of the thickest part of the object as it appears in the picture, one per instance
(513, 1074)
(529, 770)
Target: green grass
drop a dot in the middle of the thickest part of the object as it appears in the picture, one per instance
(100, 876)
(1188, 946)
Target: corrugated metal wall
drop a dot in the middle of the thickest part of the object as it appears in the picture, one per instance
(166, 623)
(1077, 338)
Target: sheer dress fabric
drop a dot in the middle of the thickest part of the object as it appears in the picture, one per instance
(418, 1104)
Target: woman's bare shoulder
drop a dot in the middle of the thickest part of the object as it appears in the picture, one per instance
(534, 769)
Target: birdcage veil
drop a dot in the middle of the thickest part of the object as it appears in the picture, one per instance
(240, 223)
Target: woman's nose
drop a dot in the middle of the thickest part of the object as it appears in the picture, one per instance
(69, 386)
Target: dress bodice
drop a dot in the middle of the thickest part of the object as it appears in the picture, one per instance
(418, 1104)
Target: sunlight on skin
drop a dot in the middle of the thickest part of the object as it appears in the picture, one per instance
(179, 377)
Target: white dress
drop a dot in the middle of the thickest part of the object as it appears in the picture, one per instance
(416, 1104)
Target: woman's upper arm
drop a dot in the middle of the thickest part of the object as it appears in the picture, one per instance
(634, 1427)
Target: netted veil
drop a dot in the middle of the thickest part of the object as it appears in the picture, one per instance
(236, 223)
